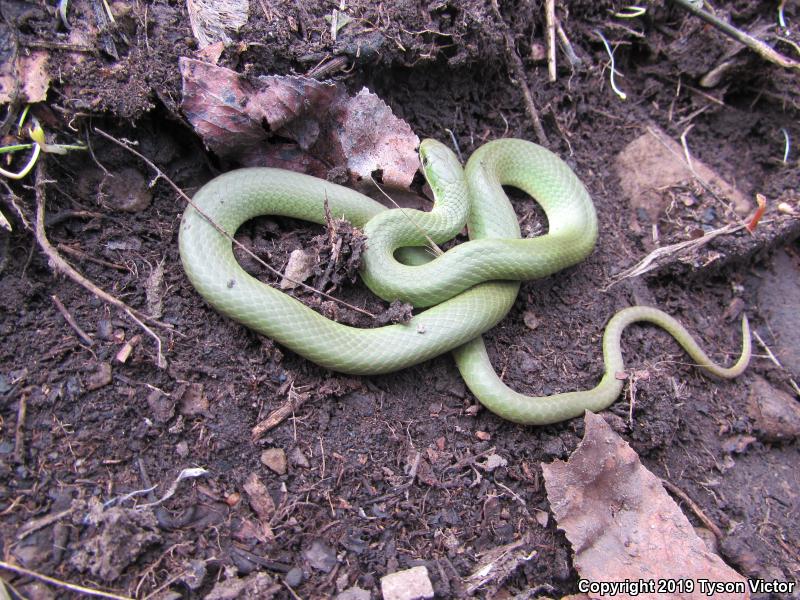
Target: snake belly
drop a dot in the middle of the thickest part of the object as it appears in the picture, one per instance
(468, 289)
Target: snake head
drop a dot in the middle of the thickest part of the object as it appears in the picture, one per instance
(440, 165)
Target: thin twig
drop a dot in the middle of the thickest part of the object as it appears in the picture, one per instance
(455, 145)
(19, 431)
(294, 401)
(161, 175)
(650, 262)
(764, 50)
(62, 584)
(71, 321)
(550, 20)
(60, 265)
(33, 526)
(674, 489)
(519, 74)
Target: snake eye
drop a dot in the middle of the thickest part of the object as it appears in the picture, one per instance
(424, 161)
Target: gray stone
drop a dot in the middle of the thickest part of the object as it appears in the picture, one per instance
(410, 584)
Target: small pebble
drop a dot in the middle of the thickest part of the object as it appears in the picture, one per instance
(275, 460)
(776, 415)
(294, 577)
(410, 584)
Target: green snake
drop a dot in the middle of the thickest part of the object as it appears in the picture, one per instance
(468, 289)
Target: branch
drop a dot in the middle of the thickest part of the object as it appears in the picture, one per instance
(764, 50)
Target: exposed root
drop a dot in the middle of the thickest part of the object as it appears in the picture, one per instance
(518, 70)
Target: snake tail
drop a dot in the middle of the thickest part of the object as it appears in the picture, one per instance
(473, 362)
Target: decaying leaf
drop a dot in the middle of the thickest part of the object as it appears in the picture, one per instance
(622, 524)
(372, 140)
(25, 79)
(213, 20)
(237, 116)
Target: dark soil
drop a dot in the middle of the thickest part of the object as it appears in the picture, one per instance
(388, 472)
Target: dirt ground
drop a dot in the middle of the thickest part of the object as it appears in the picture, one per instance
(371, 475)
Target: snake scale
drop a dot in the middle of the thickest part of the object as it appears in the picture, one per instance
(465, 291)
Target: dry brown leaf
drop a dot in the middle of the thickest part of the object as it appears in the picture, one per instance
(236, 116)
(214, 100)
(622, 524)
(371, 139)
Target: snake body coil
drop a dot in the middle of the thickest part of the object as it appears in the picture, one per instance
(469, 289)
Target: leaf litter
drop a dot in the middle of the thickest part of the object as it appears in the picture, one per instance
(239, 118)
(622, 524)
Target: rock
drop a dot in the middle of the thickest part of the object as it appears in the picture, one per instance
(775, 414)
(353, 593)
(737, 444)
(118, 538)
(275, 460)
(708, 538)
(99, 377)
(530, 319)
(294, 577)
(35, 591)
(105, 330)
(194, 573)
(654, 162)
(410, 584)
(542, 517)
(493, 461)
